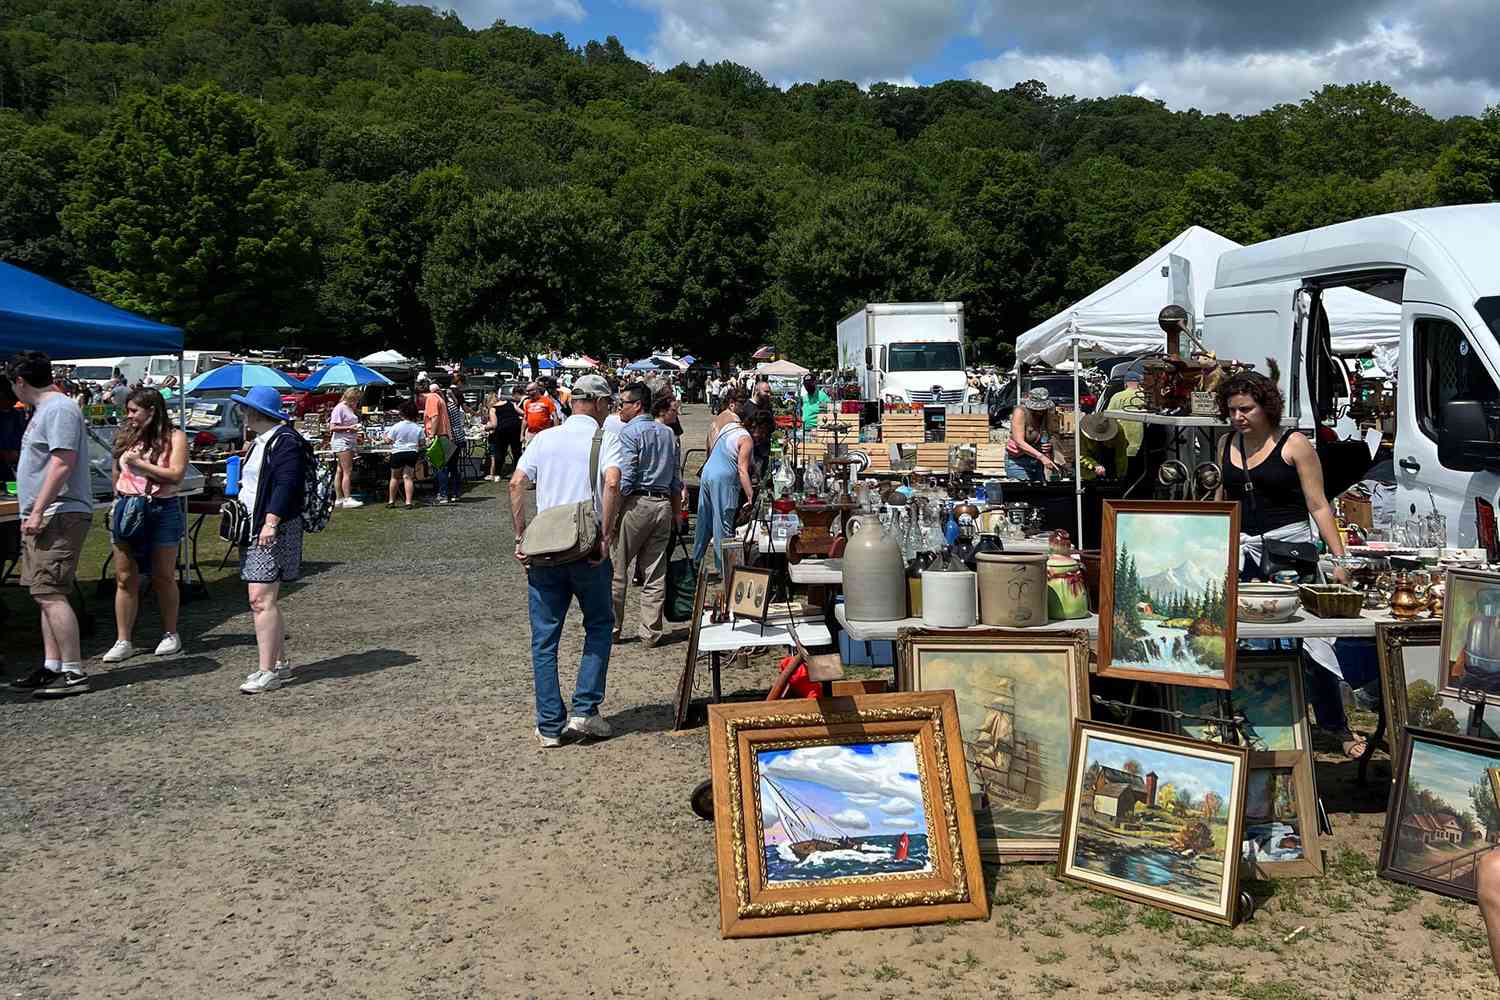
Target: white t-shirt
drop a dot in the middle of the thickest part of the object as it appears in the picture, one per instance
(405, 436)
(557, 460)
(250, 469)
(613, 425)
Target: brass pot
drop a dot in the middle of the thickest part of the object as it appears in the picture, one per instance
(1405, 604)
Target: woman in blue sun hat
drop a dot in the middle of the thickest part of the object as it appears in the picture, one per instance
(271, 490)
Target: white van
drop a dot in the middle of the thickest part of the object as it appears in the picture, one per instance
(100, 370)
(1440, 265)
(194, 363)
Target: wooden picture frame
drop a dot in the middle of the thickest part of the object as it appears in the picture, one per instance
(1110, 844)
(749, 591)
(1424, 843)
(690, 665)
(1461, 586)
(816, 764)
(1289, 769)
(1392, 640)
(1043, 679)
(1191, 560)
(1267, 692)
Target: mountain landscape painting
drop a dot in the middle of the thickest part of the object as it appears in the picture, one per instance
(1168, 593)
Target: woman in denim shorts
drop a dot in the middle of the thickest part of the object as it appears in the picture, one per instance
(150, 459)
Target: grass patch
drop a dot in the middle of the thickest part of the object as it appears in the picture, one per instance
(1277, 990)
(1051, 957)
(885, 972)
(1156, 920)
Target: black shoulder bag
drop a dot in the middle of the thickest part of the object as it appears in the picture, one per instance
(1277, 556)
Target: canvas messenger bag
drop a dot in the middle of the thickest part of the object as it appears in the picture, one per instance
(568, 532)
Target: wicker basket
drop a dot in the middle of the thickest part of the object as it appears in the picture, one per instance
(1331, 600)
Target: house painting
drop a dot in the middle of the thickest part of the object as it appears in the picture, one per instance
(1114, 794)
(1428, 830)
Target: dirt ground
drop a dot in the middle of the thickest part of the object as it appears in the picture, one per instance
(386, 826)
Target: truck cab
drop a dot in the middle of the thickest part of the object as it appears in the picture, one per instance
(907, 352)
(1439, 265)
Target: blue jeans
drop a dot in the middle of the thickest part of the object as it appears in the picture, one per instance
(1025, 467)
(718, 501)
(550, 590)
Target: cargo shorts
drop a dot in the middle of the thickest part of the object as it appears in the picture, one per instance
(49, 561)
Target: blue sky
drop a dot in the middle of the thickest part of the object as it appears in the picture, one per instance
(1180, 770)
(865, 788)
(1214, 55)
(1449, 773)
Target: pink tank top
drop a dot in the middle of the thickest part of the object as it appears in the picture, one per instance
(132, 484)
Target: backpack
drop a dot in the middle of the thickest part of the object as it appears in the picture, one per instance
(317, 490)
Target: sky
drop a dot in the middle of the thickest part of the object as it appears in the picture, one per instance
(1448, 773)
(1160, 542)
(1213, 55)
(867, 788)
(1180, 770)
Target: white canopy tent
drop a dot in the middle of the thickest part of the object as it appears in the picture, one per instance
(1120, 318)
(384, 358)
(783, 368)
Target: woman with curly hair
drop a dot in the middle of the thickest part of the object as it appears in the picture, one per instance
(150, 460)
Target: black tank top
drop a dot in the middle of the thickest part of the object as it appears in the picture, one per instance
(1276, 499)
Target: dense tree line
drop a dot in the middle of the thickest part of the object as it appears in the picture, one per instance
(356, 174)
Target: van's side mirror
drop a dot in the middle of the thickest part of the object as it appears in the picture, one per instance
(1464, 443)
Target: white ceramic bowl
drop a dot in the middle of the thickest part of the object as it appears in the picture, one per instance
(1265, 603)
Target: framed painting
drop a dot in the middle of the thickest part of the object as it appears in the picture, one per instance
(1018, 696)
(1282, 837)
(1156, 819)
(1471, 650)
(1267, 694)
(1167, 592)
(690, 666)
(750, 593)
(842, 813)
(1443, 815)
(1411, 679)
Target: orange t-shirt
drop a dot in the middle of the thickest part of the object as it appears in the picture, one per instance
(539, 413)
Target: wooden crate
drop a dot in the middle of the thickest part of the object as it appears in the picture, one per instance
(933, 457)
(990, 460)
(902, 428)
(968, 428)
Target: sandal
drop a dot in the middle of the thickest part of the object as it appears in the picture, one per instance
(1355, 745)
(410, 506)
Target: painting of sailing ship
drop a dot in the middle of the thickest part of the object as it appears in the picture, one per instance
(1446, 817)
(1170, 589)
(1017, 699)
(841, 811)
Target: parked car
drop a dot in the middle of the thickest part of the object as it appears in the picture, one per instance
(1059, 386)
(212, 422)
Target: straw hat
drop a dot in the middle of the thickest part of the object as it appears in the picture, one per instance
(1098, 427)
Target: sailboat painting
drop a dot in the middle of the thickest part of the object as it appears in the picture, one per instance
(841, 811)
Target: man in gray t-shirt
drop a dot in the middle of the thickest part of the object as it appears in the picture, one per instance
(57, 506)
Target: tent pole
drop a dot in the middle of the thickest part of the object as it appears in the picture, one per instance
(182, 566)
(1077, 446)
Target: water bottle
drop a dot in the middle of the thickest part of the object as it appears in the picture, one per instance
(232, 476)
(950, 530)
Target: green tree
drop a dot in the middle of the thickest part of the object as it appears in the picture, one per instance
(526, 271)
(1486, 808)
(34, 165)
(1469, 170)
(703, 265)
(374, 280)
(186, 213)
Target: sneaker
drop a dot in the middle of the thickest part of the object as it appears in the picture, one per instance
(352, 503)
(119, 652)
(267, 680)
(548, 742)
(63, 685)
(36, 680)
(588, 726)
(170, 644)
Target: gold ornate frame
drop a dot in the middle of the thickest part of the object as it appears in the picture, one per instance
(1391, 642)
(911, 643)
(749, 906)
(1477, 578)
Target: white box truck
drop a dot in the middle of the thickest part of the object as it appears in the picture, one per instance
(907, 352)
(1440, 265)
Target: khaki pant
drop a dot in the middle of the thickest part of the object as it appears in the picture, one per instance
(49, 561)
(645, 533)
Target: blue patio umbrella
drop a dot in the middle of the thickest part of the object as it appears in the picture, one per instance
(344, 371)
(545, 363)
(646, 365)
(241, 376)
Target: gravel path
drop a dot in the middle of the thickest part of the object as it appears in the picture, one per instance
(387, 827)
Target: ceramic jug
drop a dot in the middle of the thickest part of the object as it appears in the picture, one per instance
(1012, 588)
(1067, 597)
(874, 574)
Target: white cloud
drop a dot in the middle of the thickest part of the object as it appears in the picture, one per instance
(897, 807)
(796, 40)
(851, 818)
(483, 13)
(1247, 82)
(861, 799)
(881, 772)
(900, 821)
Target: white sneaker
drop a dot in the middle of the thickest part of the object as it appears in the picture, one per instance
(170, 643)
(119, 652)
(266, 680)
(547, 742)
(588, 726)
(352, 503)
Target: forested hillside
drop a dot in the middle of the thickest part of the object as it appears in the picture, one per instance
(349, 175)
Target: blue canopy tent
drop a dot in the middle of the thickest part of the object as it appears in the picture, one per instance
(41, 315)
(544, 364)
(344, 371)
(644, 365)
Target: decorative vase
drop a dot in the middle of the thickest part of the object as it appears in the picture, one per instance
(874, 574)
(1012, 588)
(1405, 604)
(1067, 597)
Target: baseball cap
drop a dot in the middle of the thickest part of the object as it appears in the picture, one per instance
(591, 387)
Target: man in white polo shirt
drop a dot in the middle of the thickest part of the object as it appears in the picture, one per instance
(557, 461)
